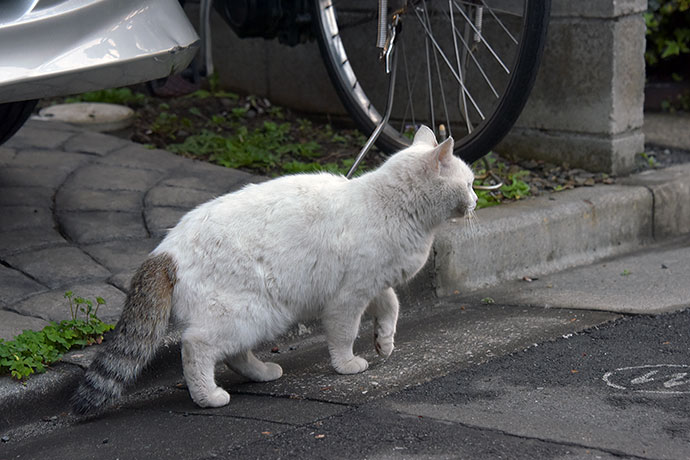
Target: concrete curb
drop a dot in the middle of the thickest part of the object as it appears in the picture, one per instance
(562, 230)
(670, 189)
(42, 395)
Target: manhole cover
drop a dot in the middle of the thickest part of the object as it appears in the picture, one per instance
(96, 116)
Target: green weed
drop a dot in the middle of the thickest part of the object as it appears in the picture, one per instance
(169, 124)
(123, 96)
(649, 159)
(262, 148)
(31, 351)
(514, 188)
(517, 188)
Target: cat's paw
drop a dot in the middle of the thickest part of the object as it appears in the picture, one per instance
(353, 366)
(272, 371)
(217, 398)
(384, 345)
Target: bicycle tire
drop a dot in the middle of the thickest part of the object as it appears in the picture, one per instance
(489, 132)
(13, 115)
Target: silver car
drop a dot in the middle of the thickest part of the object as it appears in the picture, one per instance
(60, 47)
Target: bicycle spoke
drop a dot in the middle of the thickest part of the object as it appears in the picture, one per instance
(410, 105)
(440, 80)
(481, 37)
(500, 23)
(474, 59)
(498, 10)
(450, 66)
(463, 99)
(429, 83)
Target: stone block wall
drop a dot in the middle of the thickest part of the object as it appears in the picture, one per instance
(587, 105)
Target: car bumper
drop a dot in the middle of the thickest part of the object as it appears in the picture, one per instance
(73, 46)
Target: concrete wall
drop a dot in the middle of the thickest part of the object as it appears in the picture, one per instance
(585, 110)
(294, 77)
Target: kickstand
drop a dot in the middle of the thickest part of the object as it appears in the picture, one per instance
(391, 58)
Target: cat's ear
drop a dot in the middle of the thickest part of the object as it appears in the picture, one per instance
(425, 136)
(442, 155)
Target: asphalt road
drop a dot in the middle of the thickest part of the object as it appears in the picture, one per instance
(619, 390)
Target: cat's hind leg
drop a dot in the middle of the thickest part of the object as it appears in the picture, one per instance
(342, 324)
(198, 362)
(250, 366)
(384, 309)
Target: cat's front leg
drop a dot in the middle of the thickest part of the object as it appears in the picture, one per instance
(384, 308)
(341, 325)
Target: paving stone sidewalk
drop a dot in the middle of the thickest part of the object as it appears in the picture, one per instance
(80, 210)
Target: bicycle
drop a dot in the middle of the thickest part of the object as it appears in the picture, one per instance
(475, 60)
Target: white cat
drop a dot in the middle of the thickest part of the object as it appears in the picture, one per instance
(244, 267)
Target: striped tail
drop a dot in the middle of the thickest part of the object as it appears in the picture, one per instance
(136, 338)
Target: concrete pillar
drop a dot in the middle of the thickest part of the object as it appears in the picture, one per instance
(586, 108)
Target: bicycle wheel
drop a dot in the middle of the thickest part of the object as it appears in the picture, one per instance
(468, 65)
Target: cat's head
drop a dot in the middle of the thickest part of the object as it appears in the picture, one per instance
(446, 178)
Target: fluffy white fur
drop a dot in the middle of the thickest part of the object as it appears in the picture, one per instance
(252, 263)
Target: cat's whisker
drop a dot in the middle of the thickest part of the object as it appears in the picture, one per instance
(472, 226)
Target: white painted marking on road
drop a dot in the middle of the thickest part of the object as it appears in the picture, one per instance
(661, 379)
(644, 379)
(676, 380)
